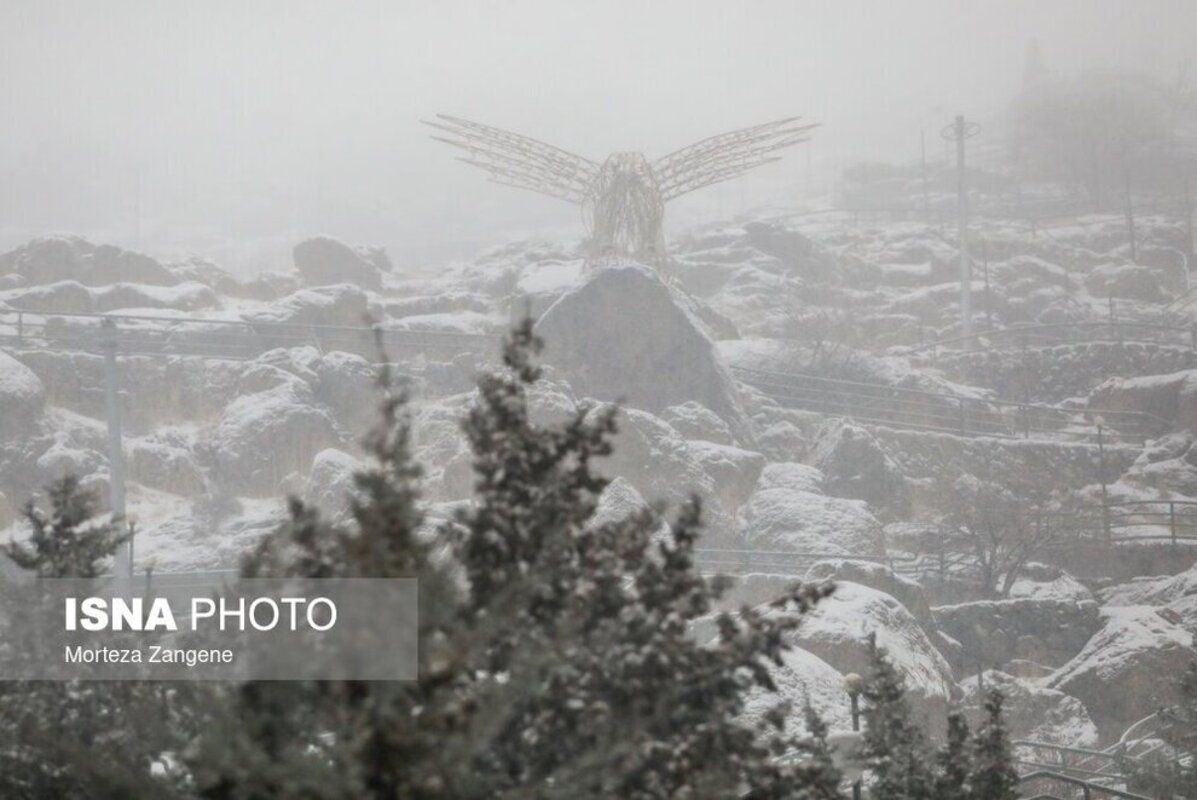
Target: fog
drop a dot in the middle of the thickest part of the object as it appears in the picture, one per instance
(232, 130)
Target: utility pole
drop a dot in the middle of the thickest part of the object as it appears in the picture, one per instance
(1130, 209)
(923, 145)
(116, 452)
(1190, 245)
(988, 307)
(958, 132)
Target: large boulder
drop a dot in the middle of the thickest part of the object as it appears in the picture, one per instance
(809, 522)
(63, 297)
(876, 576)
(189, 296)
(323, 261)
(1127, 670)
(1044, 630)
(22, 397)
(268, 435)
(854, 464)
(1031, 711)
(801, 678)
(1170, 397)
(164, 460)
(1128, 281)
(694, 421)
(733, 471)
(622, 335)
(664, 467)
(70, 258)
(838, 632)
(342, 304)
(330, 485)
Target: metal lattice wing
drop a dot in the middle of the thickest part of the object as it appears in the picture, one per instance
(519, 161)
(725, 156)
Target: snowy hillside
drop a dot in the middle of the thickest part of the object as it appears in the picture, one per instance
(782, 373)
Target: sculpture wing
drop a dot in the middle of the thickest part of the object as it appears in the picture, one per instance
(517, 160)
(725, 156)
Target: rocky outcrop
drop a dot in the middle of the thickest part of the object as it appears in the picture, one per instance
(267, 434)
(330, 484)
(837, 631)
(323, 261)
(801, 678)
(22, 397)
(854, 464)
(1031, 711)
(1127, 670)
(993, 632)
(777, 517)
(694, 421)
(876, 576)
(343, 304)
(621, 335)
(70, 258)
(1172, 398)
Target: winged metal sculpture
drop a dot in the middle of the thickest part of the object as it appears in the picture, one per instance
(623, 198)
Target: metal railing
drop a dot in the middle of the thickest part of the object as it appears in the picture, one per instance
(916, 409)
(223, 339)
(1062, 333)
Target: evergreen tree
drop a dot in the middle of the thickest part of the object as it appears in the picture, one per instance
(556, 659)
(954, 761)
(79, 739)
(1174, 775)
(66, 541)
(895, 749)
(993, 776)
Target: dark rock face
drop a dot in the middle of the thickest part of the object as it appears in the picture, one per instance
(623, 336)
(323, 261)
(855, 465)
(1046, 631)
(1131, 282)
(22, 397)
(1171, 398)
(1128, 669)
(70, 258)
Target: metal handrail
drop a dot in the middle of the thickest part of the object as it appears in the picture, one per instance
(1185, 335)
(216, 338)
(903, 407)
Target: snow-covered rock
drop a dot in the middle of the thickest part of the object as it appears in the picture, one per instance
(802, 678)
(1127, 670)
(1031, 711)
(330, 484)
(188, 296)
(323, 261)
(22, 397)
(339, 304)
(165, 460)
(733, 471)
(70, 258)
(1129, 281)
(854, 464)
(1170, 397)
(1044, 630)
(876, 576)
(693, 421)
(837, 631)
(809, 522)
(622, 336)
(792, 476)
(266, 435)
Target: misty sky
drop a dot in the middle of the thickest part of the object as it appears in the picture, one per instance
(234, 129)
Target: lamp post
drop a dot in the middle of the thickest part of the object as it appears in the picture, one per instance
(853, 685)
